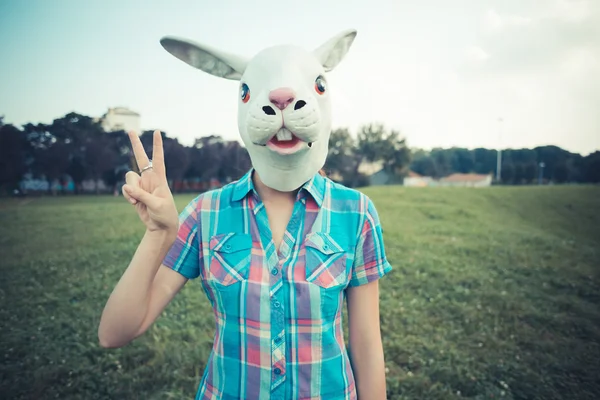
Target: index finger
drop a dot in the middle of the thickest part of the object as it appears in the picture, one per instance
(138, 150)
(158, 155)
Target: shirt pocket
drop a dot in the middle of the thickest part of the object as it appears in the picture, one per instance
(230, 256)
(327, 260)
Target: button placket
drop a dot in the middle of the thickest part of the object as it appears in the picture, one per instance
(277, 331)
(277, 269)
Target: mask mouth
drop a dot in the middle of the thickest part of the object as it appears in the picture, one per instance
(285, 142)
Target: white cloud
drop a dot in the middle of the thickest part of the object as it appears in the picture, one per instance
(540, 70)
(476, 54)
(493, 21)
(580, 63)
(441, 73)
(571, 10)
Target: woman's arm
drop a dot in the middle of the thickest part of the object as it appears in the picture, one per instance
(146, 288)
(141, 295)
(366, 348)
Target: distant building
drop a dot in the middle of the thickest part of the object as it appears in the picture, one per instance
(466, 180)
(370, 168)
(378, 176)
(335, 176)
(121, 118)
(375, 173)
(415, 180)
(94, 186)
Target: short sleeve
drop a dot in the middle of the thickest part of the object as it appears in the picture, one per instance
(370, 260)
(185, 254)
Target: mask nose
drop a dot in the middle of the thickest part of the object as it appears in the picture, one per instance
(282, 97)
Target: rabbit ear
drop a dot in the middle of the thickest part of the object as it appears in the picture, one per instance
(206, 58)
(334, 50)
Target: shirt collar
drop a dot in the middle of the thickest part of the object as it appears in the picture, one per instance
(243, 186)
(315, 186)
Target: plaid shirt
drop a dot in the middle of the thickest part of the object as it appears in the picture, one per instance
(279, 313)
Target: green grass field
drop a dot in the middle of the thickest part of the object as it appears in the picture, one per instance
(495, 293)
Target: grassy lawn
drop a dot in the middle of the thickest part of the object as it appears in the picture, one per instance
(495, 294)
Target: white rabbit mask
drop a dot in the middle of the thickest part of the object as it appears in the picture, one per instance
(284, 106)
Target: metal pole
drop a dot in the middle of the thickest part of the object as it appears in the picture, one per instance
(499, 158)
(541, 177)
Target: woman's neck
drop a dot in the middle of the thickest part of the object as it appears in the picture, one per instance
(270, 195)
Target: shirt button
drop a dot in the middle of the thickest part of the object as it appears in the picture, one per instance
(277, 371)
(325, 247)
(277, 340)
(274, 271)
(227, 247)
(276, 304)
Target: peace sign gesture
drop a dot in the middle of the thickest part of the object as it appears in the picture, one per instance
(149, 191)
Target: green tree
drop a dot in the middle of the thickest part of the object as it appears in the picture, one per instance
(591, 164)
(560, 174)
(206, 157)
(13, 153)
(396, 156)
(376, 143)
(508, 173)
(519, 173)
(462, 160)
(443, 162)
(91, 151)
(235, 161)
(529, 172)
(176, 159)
(100, 156)
(485, 161)
(341, 158)
(424, 165)
(371, 142)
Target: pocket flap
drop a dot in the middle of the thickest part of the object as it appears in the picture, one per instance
(324, 243)
(230, 242)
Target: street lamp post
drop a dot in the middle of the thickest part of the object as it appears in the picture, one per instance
(499, 158)
(541, 177)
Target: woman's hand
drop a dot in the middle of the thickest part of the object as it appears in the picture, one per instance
(149, 191)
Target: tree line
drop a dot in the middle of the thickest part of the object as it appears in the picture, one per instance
(548, 164)
(76, 146)
(545, 164)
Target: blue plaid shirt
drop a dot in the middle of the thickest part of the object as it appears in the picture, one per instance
(279, 313)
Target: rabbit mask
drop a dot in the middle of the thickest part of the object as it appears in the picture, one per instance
(284, 106)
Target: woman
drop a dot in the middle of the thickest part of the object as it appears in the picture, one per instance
(276, 253)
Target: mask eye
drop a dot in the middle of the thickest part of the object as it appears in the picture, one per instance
(320, 85)
(245, 93)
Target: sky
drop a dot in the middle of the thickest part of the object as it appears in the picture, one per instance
(478, 73)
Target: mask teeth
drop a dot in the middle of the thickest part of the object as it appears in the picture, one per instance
(284, 134)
